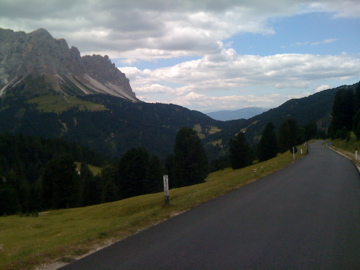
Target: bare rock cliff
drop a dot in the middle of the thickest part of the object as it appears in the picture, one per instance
(35, 63)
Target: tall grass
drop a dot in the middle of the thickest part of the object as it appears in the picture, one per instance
(61, 235)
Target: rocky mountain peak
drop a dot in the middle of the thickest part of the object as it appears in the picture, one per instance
(37, 61)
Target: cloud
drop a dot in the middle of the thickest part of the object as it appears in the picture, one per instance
(322, 88)
(312, 43)
(141, 29)
(344, 8)
(132, 31)
(233, 79)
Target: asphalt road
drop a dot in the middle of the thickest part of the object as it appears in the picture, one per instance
(306, 216)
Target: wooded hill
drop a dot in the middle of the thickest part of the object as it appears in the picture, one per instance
(112, 125)
(32, 168)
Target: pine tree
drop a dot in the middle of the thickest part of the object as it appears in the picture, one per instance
(240, 152)
(310, 130)
(110, 191)
(191, 163)
(86, 178)
(268, 144)
(289, 135)
(132, 172)
(154, 175)
(343, 112)
(61, 187)
(284, 137)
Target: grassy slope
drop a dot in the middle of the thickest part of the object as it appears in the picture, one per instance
(94, 169)
(347, 148)
(64, 234)
(59, 103)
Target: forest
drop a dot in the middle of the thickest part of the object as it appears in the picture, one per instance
(38, 174)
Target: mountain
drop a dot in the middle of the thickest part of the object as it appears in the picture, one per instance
(38, 64)
(316, 107)
(49, 90)
(244, 113)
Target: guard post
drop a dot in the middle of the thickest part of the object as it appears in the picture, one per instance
(166, 190)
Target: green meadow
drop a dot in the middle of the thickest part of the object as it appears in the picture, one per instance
(59, 103)
(63, 235)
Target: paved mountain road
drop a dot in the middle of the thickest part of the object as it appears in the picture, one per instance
(306, 216)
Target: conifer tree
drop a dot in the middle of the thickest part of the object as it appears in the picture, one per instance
(110, 191)
(86, 179)
(61, 187)
(240, 152)
(191, 163)
(343, 112)
(154, 175)
(289, 135)
(132, 172)
(268, 147)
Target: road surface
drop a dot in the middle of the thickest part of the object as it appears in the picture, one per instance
(306, 216)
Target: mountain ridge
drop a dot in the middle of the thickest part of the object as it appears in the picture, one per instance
(39, 61)
(244, 113)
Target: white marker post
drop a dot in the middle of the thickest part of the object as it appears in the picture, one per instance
(293, 151)
(166, 190)
(356, 154)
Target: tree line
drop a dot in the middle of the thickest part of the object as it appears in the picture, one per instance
(38, 174)
(289, 134)
(345, 115)
(345, 119)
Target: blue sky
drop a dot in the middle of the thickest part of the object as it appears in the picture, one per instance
(209, 55)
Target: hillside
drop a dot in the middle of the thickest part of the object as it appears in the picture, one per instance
(316, 107)
(49, 90)
(113, 127)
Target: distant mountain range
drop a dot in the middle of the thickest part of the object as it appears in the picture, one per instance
(244, 113)
(49, 90)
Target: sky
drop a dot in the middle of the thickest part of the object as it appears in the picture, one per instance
(208, 55)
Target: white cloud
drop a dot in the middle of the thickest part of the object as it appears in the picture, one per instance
(160, 29)
(312, 43)
(322, 88)
(228, 79)
(344, 8)
(141, 29)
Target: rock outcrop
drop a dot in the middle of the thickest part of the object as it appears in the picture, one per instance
(36, 62)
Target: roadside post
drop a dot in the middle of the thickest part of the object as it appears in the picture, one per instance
(166, 190)
(293, 151)
(356, 153)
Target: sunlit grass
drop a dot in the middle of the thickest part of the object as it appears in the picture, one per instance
(60, 235)
(94, 169)
(60, 103)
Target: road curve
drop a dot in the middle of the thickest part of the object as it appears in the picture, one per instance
(306, 216)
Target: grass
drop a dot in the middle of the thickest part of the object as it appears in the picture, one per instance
(347, 148)
(94, 169)
(62, 235)
(60, 103)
